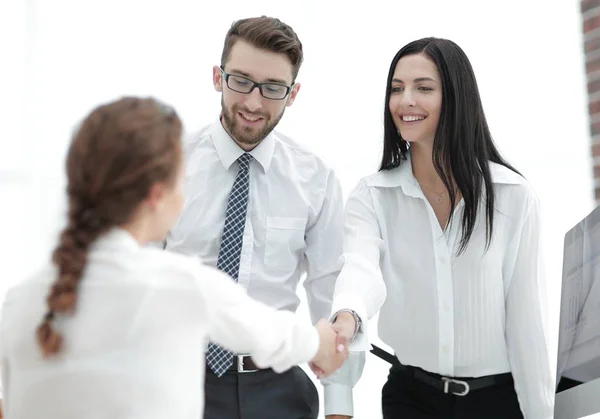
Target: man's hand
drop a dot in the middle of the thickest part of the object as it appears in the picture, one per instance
(344, 326)
(331, 355)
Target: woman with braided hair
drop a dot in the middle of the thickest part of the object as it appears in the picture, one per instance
(114, 329)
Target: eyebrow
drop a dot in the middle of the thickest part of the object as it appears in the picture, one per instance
(416, 80)
(270, 80)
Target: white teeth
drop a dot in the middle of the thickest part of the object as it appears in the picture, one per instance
(411, 118)
(250, 118)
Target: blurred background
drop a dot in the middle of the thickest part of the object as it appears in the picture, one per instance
(537, 64)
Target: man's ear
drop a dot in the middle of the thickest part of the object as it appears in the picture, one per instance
(217, 78)
(293, 94)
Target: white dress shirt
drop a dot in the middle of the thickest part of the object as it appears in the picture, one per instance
(293, 227)
(471, 315)
(134, 347)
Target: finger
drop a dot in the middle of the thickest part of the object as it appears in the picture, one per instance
(342, 338)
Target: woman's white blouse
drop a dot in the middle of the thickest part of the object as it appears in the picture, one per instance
(475, 314)
(134, 347)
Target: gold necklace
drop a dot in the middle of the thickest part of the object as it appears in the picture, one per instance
(439, 196)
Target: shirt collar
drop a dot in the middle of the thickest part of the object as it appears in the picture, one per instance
(402, 176)
(228, 150)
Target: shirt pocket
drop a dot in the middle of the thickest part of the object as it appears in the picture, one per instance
(284, 242)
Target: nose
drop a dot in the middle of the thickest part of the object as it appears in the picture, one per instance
(253, 100)
(407, 99)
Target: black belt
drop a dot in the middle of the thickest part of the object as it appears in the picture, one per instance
(447, 385)
(242, 364)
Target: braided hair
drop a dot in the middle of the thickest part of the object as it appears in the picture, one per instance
(120, 150)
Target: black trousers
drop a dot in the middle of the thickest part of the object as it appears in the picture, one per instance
(405, 397)
(261, 395)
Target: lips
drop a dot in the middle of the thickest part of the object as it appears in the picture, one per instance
(249, 117)
(250, 121)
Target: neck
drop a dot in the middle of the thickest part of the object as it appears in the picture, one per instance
(423, 169)
(138, 229)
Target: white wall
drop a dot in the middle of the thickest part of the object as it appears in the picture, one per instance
(66, 56)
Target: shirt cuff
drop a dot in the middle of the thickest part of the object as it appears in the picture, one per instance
(337, 399)
(352, 301)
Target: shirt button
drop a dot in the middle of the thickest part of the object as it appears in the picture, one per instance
(446, 349)
(446, 307)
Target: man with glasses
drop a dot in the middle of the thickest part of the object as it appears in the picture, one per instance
(266, 211)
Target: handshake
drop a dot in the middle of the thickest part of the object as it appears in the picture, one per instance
(333, 346)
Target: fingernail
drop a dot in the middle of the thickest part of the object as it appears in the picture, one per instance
(340, 348)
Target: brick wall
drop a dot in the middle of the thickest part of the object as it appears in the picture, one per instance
(590, 10)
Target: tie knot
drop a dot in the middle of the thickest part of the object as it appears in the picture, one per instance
(244, 161)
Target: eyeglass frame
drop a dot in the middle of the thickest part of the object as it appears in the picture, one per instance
(226, 76)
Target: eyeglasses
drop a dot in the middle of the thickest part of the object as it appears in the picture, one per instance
(240, 84)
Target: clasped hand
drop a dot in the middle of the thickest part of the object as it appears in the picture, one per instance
(333, 347)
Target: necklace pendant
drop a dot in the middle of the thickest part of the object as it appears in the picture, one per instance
(439, 199)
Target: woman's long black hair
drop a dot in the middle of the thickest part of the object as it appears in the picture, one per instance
(463, 145)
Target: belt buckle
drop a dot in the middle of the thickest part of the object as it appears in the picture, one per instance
(447, 382)
(240, 364)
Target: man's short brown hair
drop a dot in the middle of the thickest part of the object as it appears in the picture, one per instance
(266, 33)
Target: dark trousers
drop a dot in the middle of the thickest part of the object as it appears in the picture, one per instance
(405, 397)
(261, 395)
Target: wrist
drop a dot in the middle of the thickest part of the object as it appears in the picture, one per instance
(345, 318)
(349, 320)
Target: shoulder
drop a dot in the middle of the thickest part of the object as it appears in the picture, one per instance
(25, 302)
(515, 196)
(513, 186)
(168, 261)
(299, 154)
(43, 277)
(366, 188)
(188, 267)
(197, 140)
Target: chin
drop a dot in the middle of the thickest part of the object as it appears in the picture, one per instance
(415, 141)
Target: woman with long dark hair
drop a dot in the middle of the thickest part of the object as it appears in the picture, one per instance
(445, 239)
(113, 329)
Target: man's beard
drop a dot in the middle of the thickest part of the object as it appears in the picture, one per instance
(246, 135)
